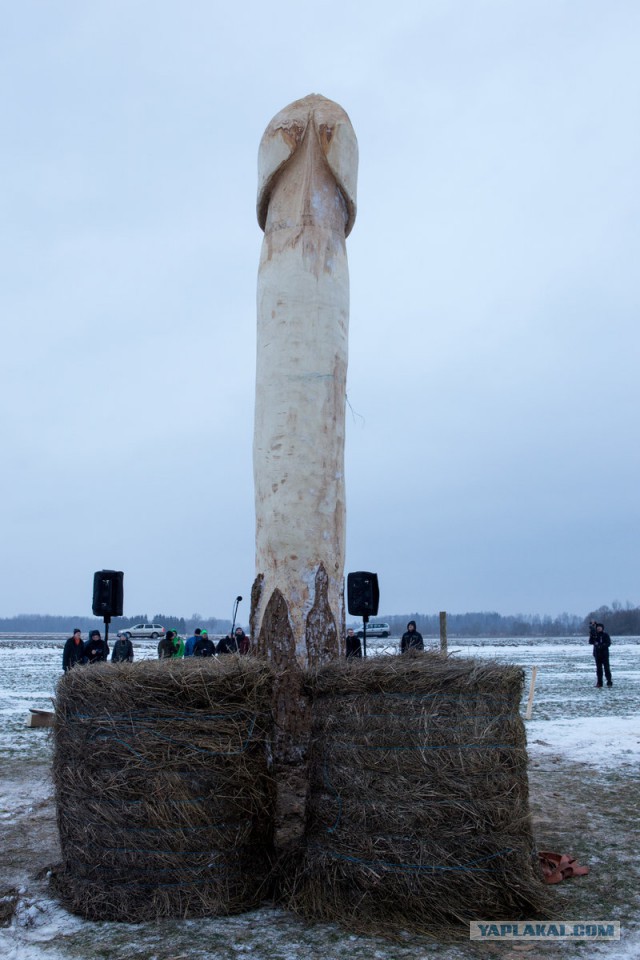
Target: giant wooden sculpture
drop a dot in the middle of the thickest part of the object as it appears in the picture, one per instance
(306, 206)
(393, 791)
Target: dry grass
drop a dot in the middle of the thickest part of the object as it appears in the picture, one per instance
(418, 814)
(163, 787)
(419, 808)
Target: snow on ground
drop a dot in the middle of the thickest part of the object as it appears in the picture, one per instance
(571, 717)
(599, 727)
(604, 742)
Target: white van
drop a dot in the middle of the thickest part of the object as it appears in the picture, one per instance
(374, 629)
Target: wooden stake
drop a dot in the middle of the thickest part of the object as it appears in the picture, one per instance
(534, 671)
(443, 632)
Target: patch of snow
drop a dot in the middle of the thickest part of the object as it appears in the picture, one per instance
(604, 742)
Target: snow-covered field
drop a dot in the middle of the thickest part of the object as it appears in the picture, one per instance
(573, 723)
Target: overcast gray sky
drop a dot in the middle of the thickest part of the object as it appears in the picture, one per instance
(492, 443)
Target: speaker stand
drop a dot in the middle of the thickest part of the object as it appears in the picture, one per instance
(365, 621)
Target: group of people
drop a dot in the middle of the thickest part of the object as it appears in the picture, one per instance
(95, 650)
(199, 645)
(411, 640)
(172, 646)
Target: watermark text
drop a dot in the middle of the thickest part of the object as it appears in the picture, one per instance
(549, 930)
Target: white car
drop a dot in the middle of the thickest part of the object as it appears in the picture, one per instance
(153, 630)
(374, 629)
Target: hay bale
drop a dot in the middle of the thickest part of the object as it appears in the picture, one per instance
(163, 787)
(418, 815)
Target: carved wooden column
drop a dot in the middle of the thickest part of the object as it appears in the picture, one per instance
(306, 206)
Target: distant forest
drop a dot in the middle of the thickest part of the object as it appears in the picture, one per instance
(45, 623)
(618, 620)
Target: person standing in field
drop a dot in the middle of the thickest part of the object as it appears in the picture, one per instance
(227, 644)
(167, 647)
(411, 639)
(122, 650)
(204, 647)
(601, 642)
(191, 642)
(96, 649)
(354, 648)
(179, 645)
(243, 642)
(73, 652)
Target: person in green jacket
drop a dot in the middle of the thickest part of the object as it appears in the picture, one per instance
(178, 644)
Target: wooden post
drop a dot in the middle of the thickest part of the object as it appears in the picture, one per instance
(534, 671)
(443, 632)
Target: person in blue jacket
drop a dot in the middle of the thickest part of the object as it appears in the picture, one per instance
(191, 642)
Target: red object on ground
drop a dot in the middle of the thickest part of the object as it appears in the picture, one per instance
(559, 866)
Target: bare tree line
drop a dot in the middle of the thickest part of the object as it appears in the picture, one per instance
(618, 619)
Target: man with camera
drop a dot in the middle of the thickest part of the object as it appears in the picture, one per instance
(601, 642)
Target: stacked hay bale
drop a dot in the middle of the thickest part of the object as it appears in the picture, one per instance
(163, 786)
(418, 812)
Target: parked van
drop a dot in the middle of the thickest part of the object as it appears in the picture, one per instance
(374, 629)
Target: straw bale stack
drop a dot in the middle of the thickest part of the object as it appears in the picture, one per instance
(164, 792)
(418, 815)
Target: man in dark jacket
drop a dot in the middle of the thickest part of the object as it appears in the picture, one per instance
(228, 644)
(411, 639)
(354, 647)
(601, 643)
(167, 647)
(96, 649)
(204, 647)
(122, 650)
(73, 652)
(242, 641)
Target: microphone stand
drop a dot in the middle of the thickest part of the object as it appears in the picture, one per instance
(235, 611)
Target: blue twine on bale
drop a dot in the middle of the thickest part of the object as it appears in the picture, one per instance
(435, 716)
(438, 695)
(419, 867)
(211, 826)
(201, 873)
(445, 746)
(184, 745)
(172, 853)
(128, 717)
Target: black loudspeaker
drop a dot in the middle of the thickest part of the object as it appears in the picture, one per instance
(363, 594)
(108, 593)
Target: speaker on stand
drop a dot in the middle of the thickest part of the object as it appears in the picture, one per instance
(108, 596)
(363, 597)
